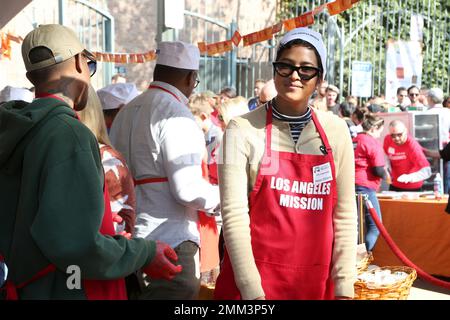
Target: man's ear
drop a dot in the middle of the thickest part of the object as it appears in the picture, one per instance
(78, 63)
(203, 116)
(29, 78)
(192, 77)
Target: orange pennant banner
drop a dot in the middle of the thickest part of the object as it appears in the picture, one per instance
(319, 9)
(202, 47)
(304, 20)
(14, 38)
(149, 56)
(236, 38)
(338, 6)
(254, 37)
(228, 45)
(5, 49)
(265, 34)
(220, 47)
(132, 58)
(250, 38)
(289, 24)
(277, 27)
(98, 56)
(212, 49)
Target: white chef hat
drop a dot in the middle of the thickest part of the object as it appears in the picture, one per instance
(312, 37)
(12, 93)
(179, 55)
(117, 94)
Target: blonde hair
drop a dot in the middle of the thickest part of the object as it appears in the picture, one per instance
(232, 108)
(199, 103)
(92, 117)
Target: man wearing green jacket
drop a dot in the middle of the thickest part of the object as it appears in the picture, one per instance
(54, 223)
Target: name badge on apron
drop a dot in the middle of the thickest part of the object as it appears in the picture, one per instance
(322, 173)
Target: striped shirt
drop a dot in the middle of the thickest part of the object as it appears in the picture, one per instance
(296, 124)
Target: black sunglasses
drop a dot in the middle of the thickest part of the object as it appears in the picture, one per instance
(396, 135)
(413, 94)
(304, 72)
(92, 63)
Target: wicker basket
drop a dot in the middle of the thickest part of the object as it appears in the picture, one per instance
(364, 263)
(396, 291)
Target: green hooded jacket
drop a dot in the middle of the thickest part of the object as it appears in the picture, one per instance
(51, 203)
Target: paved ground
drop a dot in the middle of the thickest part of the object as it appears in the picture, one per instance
(422, 290)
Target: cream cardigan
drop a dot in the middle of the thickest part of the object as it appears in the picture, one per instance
(241, 153)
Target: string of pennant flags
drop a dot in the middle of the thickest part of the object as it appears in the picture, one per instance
(5, 44)
(304, 20)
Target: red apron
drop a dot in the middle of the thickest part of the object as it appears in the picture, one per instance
(106, 289)
(94, 289)
(209, 235)
(291, 225)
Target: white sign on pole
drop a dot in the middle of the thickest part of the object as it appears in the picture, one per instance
(416, 29)
(174, 14)
(404, 61)
(361, 79)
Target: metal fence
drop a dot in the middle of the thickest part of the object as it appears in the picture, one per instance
(358, 34)
(361, 33)
(95, 28)
(216, 72)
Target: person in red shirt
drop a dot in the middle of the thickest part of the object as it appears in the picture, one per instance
(369, 170)
(409, 166)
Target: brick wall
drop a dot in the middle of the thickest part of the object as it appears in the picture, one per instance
(136, 26)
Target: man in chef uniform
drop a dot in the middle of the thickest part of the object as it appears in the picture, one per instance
(164, 147)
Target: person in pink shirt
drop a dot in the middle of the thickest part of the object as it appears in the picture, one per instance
(409, 166)
(369, 170)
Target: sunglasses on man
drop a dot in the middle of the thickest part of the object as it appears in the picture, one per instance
(396, 135)
(92, 63)
(304, 72)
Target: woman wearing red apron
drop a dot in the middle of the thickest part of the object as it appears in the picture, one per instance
(287, 189)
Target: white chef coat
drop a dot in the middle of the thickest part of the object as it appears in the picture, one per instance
(444, 122)
(158, 136)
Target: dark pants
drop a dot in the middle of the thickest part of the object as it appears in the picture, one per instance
(185, 286)
(372, 232)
